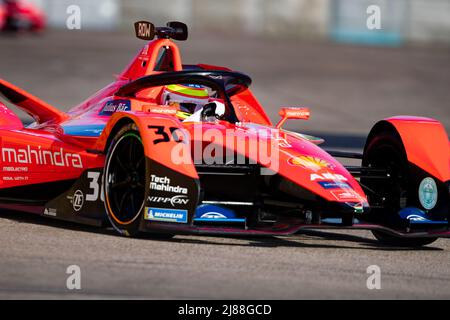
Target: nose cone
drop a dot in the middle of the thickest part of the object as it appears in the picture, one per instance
(308, 166)
(315, 170)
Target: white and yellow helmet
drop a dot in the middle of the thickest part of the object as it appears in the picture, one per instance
(188, 97)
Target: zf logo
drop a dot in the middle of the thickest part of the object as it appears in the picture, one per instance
(78, 200)
(93, 193)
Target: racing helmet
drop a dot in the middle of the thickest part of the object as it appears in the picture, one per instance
(188, 97)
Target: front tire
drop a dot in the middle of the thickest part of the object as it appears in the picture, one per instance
(386, 151)
(124, 181)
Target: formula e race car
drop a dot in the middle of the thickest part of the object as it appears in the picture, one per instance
(170, 148)
(18, 15)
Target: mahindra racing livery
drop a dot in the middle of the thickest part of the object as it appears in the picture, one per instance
(170, 148)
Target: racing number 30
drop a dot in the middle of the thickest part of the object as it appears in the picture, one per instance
(176, 134)
(94, 187)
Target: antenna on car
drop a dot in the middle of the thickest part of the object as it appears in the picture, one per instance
(173, 30)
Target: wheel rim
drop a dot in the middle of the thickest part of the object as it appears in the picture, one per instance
(125, 179)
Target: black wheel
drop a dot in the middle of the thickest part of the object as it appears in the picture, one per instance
(386, 151)
(124, 181)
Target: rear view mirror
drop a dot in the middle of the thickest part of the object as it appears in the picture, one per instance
(293, 113)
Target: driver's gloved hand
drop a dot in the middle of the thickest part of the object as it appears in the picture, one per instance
(212, 112)
(209, 112)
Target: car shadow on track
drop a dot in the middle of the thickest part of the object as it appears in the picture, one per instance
(23, 217)
(297, 241)
(302, 239)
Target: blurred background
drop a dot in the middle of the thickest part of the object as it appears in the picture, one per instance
(314, 53)
(341, 20)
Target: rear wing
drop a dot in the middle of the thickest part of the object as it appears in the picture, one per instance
(36, 108)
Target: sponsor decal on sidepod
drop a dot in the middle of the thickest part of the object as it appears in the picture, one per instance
(50, 212)
(39, 156)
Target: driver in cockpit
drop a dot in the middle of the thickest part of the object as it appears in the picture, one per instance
(193, 102)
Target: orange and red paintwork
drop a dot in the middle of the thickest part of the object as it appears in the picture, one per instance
(426, 143)
(425, 140)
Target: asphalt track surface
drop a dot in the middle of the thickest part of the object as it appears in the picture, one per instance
(348, 89)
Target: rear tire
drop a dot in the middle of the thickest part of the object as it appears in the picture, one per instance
(386, 151)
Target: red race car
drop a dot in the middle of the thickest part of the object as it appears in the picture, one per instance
(170, 148)
(17, 15)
